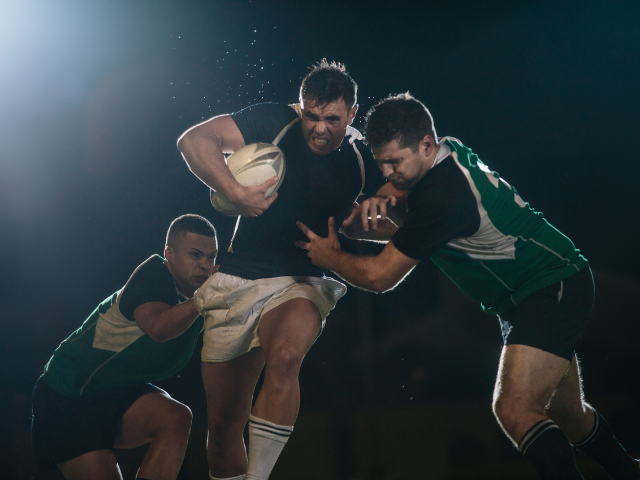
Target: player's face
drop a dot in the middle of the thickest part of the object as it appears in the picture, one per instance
(192, 261)
(401, 166)
(324, 126)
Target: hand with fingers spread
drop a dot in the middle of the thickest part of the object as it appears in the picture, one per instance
(369, 210)
(250, 201)
(323, 252)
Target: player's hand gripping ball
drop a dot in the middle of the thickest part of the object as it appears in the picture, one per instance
(253, 164)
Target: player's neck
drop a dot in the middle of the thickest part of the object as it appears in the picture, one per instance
(430, 160)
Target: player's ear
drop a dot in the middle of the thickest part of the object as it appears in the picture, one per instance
(427, 144)
(352, 113)
(168, 253)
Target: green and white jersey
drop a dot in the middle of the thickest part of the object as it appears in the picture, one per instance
(478, 230)
(109, 349)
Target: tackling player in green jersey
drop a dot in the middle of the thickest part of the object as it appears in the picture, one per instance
(94, 394)
(499, 251)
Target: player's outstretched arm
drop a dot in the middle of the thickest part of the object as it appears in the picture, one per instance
(163, 322)
(378, 273)
(203, 147)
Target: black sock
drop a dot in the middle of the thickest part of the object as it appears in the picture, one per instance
(549, 452)
(604, 449)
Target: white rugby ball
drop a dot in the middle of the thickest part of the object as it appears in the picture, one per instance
(253, 164)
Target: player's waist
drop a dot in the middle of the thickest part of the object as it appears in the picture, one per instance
(251, 269)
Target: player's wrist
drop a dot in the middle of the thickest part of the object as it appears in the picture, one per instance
(336, 260)
(236, 193)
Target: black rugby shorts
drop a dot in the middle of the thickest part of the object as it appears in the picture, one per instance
(553, 318)
(63, 428)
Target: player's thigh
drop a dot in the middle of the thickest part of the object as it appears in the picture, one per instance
(96, 465)
(150, 414)
(528, 376)
(229, 386)
(293, 325)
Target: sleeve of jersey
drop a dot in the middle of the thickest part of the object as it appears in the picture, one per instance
(441, 209)
(264, 121)
(151, 282)
(372, 174)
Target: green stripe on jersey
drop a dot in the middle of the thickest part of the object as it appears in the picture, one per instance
(514, 252)
(110, 351)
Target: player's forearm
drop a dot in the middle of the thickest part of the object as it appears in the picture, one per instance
(205, 158)
(361, 271)
(172, 322)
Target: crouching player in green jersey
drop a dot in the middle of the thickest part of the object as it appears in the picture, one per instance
(94, 394)
(499, 251)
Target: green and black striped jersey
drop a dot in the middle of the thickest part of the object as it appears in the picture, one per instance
(109, 349)
(477, 229)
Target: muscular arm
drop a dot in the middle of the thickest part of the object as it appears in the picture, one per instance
(377, 273)
(203, 147)
(163, 322)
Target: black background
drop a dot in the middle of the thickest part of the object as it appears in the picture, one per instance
(93, 96)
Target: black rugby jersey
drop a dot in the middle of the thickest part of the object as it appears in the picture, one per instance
(314, 188)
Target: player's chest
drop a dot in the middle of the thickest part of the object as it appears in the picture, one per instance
(331, 179)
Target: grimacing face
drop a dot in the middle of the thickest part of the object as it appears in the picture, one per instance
(191, 262)
(324, 126)
(401, 166)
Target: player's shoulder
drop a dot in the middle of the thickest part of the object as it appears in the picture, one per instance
(354, 139)
(154, 262)
(152, 267)
(353, 135)
(273, 109)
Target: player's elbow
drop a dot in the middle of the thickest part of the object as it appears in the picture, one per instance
(381, 283)
(186, 141)
(160, 335)
(383, 280)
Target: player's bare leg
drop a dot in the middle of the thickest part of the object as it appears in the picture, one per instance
(97, 465)
(229, 388)
(286, 334)
(154, 417)
(587, 429)
(166, 423)
(527, 378)
(567, 407)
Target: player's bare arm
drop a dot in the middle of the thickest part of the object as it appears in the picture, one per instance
(163, 322)
(377, 273)
(203, 147)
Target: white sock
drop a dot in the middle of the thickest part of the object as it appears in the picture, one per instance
(239, 477)
(266, 441)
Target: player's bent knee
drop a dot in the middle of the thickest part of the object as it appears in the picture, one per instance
(178, 418)
(286, 357)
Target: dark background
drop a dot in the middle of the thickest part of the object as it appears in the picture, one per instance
(93, 96)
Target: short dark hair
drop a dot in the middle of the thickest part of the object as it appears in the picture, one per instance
(328, 82)
(189, 223)
(398, 117)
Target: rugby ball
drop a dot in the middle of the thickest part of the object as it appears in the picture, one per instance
(253, 164)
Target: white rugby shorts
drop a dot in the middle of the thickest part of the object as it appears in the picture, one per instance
(232, 307)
